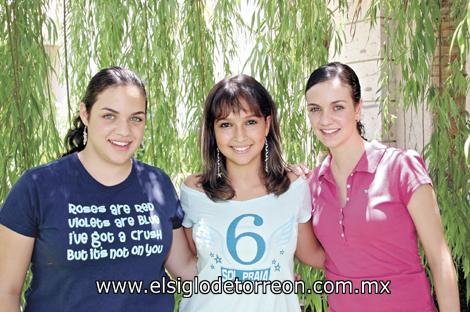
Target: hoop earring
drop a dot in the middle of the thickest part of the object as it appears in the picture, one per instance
(266, 155)
(219, 175)
(85, 136)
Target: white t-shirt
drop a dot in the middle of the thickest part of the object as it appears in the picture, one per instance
(250, 240)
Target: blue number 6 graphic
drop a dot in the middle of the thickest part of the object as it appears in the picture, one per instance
(232, 240)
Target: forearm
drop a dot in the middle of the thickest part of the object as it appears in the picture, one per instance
(309, 251)
(9, 302)
(181, 262)
(187, 270)
(315, 258)
(445, 283)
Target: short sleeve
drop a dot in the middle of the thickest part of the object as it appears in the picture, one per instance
(187, 220)
(306, 202)
(413, 173)
(19, 210)
(178, 216)
(171, 201)
(178, 213)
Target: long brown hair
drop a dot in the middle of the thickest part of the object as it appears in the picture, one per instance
(223, 99)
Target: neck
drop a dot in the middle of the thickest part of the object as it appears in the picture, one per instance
(102, 171)
(242, 177)
(346, 156)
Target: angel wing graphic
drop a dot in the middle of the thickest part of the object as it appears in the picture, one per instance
(208, 238)
(280, 238)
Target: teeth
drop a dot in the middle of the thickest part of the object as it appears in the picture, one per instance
(330, 131)
(240, 149)
(120, 143)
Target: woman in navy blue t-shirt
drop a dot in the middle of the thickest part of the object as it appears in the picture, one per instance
(95, 219)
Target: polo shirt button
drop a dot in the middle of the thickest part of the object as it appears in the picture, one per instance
(348, 186)
(352, 174)
(340, 221)
(347, 198)
(342, 234)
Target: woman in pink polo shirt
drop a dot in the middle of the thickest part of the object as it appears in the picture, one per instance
(369, 204)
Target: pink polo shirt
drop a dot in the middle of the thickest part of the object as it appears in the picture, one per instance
(373, 238)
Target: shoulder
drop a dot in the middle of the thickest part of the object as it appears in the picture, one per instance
(153, 176)
(147, 169)
(401, 158)
(49, 170)
(292, 176)
(297, 183)
(193, 181)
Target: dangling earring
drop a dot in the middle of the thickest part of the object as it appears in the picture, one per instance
(219, 175)
(85, 136)
(266, 155)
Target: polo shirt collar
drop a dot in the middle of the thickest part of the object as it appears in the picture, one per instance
(368, 162)
(371, 158)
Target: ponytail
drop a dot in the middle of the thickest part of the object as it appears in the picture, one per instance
(361, 129)
(74, 138)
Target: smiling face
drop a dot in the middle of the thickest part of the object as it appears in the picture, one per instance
(240, 137)
(332, 113)
(115, 124)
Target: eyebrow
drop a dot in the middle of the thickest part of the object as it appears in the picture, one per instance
(116, 112)
(332, 103)
(246, 117)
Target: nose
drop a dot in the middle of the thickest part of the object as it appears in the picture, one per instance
(122, 127)
(324, 118)
(240, 133)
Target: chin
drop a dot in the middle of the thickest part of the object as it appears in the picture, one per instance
(120, 160)
(242, 162)
(330, 143)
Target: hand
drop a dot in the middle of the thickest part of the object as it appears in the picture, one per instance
(300, 170)
(297, 277)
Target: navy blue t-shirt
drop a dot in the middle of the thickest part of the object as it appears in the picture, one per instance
(86, 232)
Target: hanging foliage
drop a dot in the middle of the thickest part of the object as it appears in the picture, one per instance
(181, 48)
(415, 44)
(28, 133)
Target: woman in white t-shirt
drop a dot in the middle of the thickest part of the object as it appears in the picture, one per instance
(245, 216)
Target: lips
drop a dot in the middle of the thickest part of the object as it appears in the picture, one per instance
(329, 131)
(120, 145)
(241, 149)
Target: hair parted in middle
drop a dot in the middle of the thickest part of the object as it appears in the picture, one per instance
(223, 99)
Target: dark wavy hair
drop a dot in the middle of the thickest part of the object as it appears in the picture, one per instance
(346, 75)
(223, 99)
(105, 78)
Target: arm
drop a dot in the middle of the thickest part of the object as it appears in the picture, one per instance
(309, 250)
(15, 256)
(181, 262)
(189, 237)
(425, 214)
